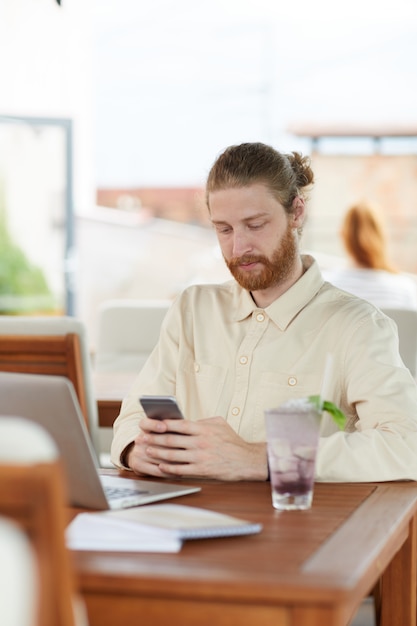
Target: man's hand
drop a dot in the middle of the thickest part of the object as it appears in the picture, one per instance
(207, 448)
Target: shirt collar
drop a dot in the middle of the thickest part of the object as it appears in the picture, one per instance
(287, 306)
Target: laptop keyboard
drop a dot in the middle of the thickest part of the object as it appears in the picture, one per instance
(122, 492)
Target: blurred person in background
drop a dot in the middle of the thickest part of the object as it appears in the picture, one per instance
(370, 274)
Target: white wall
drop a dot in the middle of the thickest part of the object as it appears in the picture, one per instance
(46, 71)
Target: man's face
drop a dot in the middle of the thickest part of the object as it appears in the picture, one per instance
(257, 237)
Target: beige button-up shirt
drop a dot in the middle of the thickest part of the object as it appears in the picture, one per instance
(220, 354)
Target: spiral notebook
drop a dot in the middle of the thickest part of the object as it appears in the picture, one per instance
(152, 528)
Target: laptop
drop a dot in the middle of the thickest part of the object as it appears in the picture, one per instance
(51, 401)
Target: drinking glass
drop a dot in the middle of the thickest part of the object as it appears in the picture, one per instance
(292, 433)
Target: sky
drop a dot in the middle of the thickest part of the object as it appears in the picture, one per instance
(176, 82)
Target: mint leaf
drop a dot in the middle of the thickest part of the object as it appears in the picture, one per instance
(338, 416)
(316, 402)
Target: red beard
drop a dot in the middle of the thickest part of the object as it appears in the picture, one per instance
(274, 271)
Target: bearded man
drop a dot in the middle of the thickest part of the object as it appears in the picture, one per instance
(230, 351)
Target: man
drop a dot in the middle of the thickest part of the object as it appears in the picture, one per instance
(228, 352)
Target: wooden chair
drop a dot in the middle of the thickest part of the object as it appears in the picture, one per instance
(32, 494)
(54, 346)
(57, 355)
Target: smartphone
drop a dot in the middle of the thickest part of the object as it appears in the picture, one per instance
(161, 407)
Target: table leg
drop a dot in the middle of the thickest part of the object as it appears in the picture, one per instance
(399, 584)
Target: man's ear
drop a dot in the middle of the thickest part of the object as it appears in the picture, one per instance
(298, 211)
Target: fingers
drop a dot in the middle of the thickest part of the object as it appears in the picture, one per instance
(148, 425)
(151, 449)
(170, 454)
(181, 426)
(166, 441)
(141, 463)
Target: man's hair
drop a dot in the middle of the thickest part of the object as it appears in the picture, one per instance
(364, 237)
(285, 175)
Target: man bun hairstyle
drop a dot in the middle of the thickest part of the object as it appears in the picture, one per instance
(301, 167)
(286, 175)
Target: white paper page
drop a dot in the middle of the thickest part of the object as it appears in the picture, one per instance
(91, 531)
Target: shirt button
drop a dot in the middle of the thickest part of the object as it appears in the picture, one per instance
(235, 410)
(243, 360)
(292, 381)
(196, 367)
(260, 317)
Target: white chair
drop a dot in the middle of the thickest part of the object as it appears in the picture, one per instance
(406, 320)
(127, 332)
(25, 326)
(33, 496)
(18, 576)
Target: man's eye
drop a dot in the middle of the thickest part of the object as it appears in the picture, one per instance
(256, 226)
(224, 230)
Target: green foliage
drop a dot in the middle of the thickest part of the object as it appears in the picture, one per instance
(18, 276)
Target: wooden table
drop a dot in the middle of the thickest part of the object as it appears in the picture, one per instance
(306, 568)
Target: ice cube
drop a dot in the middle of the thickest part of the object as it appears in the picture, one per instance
(286, 464)
(289, 478)
(305, 452)
(280, 447)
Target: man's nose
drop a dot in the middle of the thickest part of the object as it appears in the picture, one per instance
(241, 244)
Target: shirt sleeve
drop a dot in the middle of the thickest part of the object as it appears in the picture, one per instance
(156, 377)
(383, 395)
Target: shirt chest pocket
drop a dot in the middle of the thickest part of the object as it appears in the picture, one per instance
(201, 385)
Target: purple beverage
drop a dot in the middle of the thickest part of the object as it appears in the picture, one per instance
(292, 439)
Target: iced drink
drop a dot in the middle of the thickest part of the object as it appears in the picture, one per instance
(292, 432)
